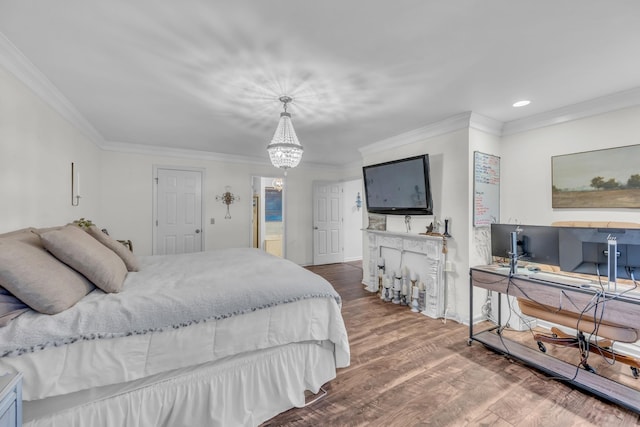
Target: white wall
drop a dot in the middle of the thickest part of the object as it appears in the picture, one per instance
(525, 190)
(128, 189)
(449, 171)
(480, 250)
(352, 224)
(37, 147)
(480, 245)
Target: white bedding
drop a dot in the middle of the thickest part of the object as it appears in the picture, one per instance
(170, 292)
(184, 337)
(85, 364)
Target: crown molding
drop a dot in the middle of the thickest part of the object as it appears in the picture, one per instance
(155, 150)
(24, 70)
(486, 124)
(592, 107)
(450, 124)
(441, 127)
(184, 153)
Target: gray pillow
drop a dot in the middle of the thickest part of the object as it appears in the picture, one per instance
(86, 255)
(39, 280)
(125, 254)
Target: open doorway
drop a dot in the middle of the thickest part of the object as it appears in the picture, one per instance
(268, 224)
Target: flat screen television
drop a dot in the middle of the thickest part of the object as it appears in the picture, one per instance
(400, 187)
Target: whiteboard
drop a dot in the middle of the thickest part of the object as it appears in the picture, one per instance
(486, 189)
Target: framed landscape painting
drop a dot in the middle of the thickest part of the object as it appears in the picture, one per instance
(607, 178)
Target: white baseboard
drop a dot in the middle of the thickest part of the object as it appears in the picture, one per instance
(476, 319)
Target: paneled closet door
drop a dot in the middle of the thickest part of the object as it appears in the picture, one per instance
(179, 211)
(328, 245)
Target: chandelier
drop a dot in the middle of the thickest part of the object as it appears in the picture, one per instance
(285, 150)
(277, 184)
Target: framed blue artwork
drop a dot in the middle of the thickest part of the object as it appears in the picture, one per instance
(272, 205)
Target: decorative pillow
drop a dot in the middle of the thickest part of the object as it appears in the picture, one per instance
(39, 280)
(10, 307)
(86, 255)
(24, 235)
(127, 256)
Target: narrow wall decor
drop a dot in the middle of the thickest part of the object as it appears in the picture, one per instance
(486, 189)
(75, 185)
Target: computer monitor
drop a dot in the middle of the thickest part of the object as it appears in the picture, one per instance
(585, 250)
(536, 243)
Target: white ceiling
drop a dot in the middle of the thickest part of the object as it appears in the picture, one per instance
(207, 74)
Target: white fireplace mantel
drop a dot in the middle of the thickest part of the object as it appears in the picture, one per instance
(421, 254)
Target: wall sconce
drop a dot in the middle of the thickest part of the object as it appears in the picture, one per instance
(227, 198)
(75, 185)
(358, 201)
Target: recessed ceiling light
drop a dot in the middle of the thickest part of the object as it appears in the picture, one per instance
(521, 103)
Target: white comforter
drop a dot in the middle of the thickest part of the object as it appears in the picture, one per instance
(177, 311)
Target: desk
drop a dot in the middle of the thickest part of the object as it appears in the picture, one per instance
(623, 309)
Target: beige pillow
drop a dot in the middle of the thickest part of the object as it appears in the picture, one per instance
(24, 235)
(38, 279)
(86, 255)
(125, 254)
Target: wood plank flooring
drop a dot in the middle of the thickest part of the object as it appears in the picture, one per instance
(409, 370)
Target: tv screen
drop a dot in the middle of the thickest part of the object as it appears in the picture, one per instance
(399, 187)
(584, 250)
(536, 243)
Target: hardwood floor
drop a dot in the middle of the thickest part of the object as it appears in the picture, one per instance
(409, 370)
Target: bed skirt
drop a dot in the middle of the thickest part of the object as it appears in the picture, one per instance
(243, 390)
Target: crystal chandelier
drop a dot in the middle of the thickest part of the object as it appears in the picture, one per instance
(277, 183)
(285, 150)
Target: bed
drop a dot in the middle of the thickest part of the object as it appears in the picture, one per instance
(229, 337)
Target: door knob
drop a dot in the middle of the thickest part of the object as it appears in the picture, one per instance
(315, 228)
(197, 231)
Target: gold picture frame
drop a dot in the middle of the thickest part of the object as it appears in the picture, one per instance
(377, 222)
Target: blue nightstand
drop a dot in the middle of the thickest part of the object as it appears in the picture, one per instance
(11, 400)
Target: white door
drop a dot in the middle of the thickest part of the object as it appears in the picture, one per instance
(327, 223)
(178, 211)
